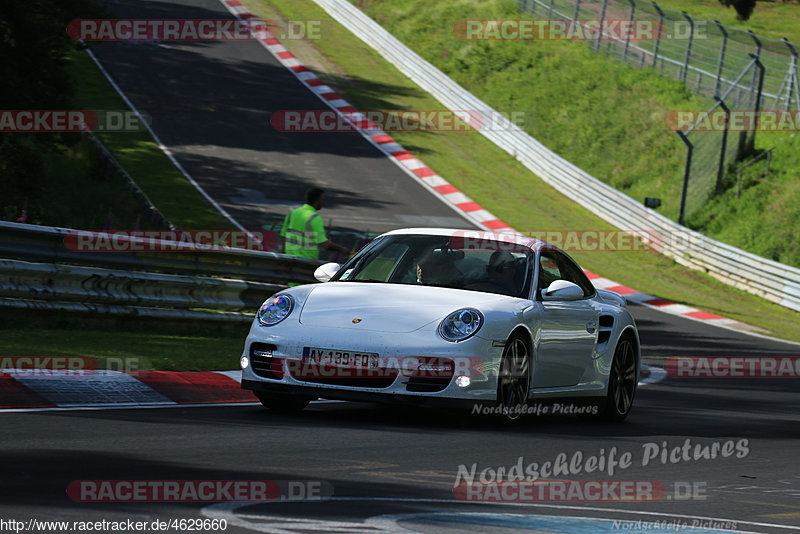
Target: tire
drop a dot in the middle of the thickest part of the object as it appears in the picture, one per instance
(284, 403)
(622, 382)
(514, 379)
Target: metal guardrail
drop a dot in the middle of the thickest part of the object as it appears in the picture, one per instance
(769, 279)
(47, 244)
(41, 272)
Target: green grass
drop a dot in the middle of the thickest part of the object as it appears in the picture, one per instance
(766, 217)
(490, 176)
(76, 192)
(769, 19)
(130, 344)
(167, 188)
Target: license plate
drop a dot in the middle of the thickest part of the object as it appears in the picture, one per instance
(341, 358)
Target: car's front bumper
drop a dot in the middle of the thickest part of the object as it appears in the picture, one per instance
(476, 357)
(260, 387)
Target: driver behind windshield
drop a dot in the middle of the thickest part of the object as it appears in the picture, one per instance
(502, 270)
(435, 269)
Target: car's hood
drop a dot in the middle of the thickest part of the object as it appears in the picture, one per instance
(387, 307)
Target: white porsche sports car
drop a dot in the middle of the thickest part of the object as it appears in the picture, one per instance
(447, 317)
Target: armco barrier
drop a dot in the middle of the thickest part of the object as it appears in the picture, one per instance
(769, 279)
(40, 272)
(46, 244)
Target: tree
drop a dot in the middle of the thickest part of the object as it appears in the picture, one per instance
(33, 47)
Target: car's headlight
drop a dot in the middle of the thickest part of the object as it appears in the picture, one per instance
(275, 310)
(461, 324)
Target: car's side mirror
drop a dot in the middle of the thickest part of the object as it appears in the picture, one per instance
(562, 290)
(325, 272)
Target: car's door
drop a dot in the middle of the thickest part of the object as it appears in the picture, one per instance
(565, 331)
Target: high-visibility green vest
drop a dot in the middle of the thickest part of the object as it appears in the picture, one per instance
(303, 230)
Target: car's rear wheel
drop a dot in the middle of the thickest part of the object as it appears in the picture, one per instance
(514, 378)
(622, 381)
(283, 403)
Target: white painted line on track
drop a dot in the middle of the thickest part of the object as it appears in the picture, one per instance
(163, 147)
(226, 511)
(126, 407)
(99, 407)
(389, 522)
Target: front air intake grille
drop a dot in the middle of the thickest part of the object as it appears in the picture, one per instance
(433, 374)
(263, 363)
(427, 385)
(377, 383)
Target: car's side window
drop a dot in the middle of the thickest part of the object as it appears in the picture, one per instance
(554, 266)
(548, 270)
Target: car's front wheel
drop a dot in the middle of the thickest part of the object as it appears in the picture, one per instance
(283, 403)
(622, 381)
(514, 379)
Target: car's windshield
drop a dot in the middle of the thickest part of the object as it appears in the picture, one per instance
(443, 261)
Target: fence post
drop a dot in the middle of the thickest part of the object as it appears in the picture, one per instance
(577, 10)
(761, 69)
(658, 33)
(721, 167)
(550, 10)
(747, 142)
(628, 33)
(794, 85)
(721, 56)
(757, 57)
(686, 172)
(758, 42)
(602, 21)
(687, 56)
